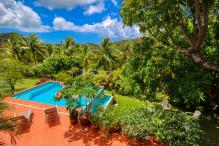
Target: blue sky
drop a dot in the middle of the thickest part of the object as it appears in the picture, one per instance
(87, 21)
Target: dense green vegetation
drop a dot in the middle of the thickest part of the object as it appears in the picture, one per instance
(141, 120)
(187, 26)
(142, 70)
(141, 123)
(177, 59)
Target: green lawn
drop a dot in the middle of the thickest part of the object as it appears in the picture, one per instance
(127, 101)
(20, 85)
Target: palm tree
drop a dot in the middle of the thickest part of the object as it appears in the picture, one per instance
(84, 53)
(7, 124)
(49, 50)
(14, 46)
(106, 55)
(67, 45)
(126, 51)
(34, 46)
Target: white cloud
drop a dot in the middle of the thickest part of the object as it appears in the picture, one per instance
(112, 28)
(60, 23)
(98, 8)
(14, 14)
(66, 4)
(114, 2)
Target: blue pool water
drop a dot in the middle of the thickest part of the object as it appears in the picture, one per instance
(45, 93)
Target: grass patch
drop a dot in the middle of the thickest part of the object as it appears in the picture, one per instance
(128, 101)
(25, 83)
(132, 102)
(20, 85)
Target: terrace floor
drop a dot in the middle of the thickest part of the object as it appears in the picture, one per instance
(63, 134)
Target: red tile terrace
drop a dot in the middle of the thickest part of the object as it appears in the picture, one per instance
(63, 134)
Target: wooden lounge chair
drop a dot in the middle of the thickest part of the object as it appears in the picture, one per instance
(23, 120)
(51, 115)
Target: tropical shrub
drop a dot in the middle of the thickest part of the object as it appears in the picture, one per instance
(101, 77)
(112, 118)
(180, 129)
(117, 79)
(55, 64)
(96, 118)
(62, 76)
(171, 128)
(28, 71)
(74, 71)
(104, 79)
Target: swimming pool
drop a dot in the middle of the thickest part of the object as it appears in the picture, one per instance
(46, 92)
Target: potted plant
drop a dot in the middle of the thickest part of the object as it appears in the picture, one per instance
(73, 117)
(84, 119)
(85, 90)
(72, 106)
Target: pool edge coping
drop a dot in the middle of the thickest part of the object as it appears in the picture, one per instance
(31, 88)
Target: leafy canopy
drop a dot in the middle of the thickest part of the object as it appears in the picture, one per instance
(184, 25)
(81, 87)
(56, 64)
(106, 55)
(11, 72)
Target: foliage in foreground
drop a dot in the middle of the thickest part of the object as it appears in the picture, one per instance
(153, 69)
(7, 124)
(171, 128)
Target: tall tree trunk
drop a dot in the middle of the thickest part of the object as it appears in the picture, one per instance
(12, 88)
(34, 58)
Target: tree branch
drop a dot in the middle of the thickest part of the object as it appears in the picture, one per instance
(198, 59)
(197, 13)
(185, 33)
(202, 28)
